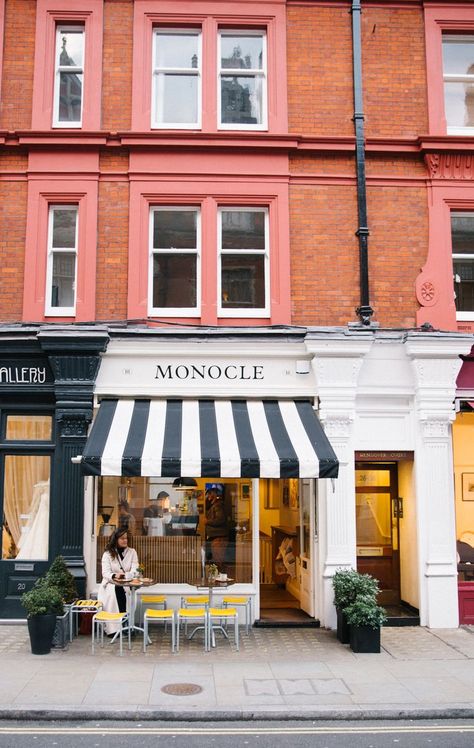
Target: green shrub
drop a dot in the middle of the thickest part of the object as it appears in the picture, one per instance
(42, 599)
(58, 575)
(364, 611)
(348, 584)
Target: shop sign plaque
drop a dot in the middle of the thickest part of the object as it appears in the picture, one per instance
(24, 371)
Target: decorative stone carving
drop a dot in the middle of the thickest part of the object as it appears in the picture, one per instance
(435, 429)
(428, 293)
(337, 426)
(73, 422)
(458, 166)
(69, 369)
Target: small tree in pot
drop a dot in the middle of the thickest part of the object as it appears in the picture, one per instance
(42, 604)
(347, 585)
(365, 618)
(58, 575)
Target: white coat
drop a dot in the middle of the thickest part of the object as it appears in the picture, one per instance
(106, 593)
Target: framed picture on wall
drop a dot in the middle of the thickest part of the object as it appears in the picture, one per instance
(294, 493)
(468, 486)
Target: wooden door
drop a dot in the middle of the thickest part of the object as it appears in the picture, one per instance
(377, 521)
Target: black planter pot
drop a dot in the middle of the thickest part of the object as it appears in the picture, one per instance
(41, 631)
(343, 628)
(365, 639)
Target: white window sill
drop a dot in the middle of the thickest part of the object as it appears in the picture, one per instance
(465, 316)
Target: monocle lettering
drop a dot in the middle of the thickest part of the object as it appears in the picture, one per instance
(22, 375)
(210, 371)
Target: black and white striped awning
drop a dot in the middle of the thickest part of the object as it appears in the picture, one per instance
(209, 438)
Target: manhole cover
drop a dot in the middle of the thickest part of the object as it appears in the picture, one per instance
(181, 689)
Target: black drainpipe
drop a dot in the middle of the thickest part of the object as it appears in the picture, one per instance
(364, 311)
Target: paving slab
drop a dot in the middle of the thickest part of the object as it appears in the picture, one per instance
(277, 674)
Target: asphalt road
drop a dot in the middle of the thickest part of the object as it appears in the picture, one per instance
(406, 734)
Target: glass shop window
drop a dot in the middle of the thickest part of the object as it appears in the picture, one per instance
(178, 532)
(25, 523)
(29, 428)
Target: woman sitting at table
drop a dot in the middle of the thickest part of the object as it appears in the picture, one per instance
(119, 562)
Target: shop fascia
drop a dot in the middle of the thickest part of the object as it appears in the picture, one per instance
(273, 371)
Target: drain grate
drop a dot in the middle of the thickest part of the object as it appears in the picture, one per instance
(182, 689)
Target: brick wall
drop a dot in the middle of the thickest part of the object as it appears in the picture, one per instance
(393, 66)
(324, 259)
(117, 66)
(13, 198)
(18, 64)
(320, 99)
(112, 238)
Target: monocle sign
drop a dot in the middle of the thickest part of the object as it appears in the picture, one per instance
(196, 376)
(201, 372)
(24, 372)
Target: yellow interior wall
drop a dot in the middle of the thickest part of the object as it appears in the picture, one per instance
(463, 454)
(409, 591)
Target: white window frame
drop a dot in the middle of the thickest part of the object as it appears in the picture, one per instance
(157, 71)
(243, 311)
(462, 316)
(50, 310)
(457, 78)
(175, 311)
(243, 73)
(58, 69)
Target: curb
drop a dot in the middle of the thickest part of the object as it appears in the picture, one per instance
(225, 715)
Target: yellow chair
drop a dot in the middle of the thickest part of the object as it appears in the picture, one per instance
(99, 622)
(158, 616)
(81, 606)
(187, 601)
(222, 616)
(193, 615)
(236, 601)
(152, 600)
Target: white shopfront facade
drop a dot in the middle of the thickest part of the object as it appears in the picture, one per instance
(375, 392)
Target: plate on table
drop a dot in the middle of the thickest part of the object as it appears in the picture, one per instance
(146, 580)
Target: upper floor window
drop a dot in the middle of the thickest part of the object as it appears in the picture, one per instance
(69, 76)
(243, 262)
(462, 235)
(176, 78)
(242, 80)
(62, 261)
(174, 261)
(458, 74)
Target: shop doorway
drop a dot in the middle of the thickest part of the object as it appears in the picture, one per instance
(286, 564)
(377, 527)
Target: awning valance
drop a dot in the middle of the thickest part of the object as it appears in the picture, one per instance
(209, 438)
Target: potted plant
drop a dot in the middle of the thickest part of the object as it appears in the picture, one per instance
(365, 618)
(347, 585)
(58, 575)
(42, 604)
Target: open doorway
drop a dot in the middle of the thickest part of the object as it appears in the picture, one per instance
(286, 573)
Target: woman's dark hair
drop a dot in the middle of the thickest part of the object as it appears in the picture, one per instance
(124, 504)
(111, 546)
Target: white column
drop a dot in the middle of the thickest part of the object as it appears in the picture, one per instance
(436, 363)
(337, 362)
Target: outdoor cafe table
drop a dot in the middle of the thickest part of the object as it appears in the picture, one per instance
(134, 585)
(208, 586)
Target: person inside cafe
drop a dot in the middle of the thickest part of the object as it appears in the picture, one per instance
(125, 520)
(155, 509)
(217, 527)
(119, 564)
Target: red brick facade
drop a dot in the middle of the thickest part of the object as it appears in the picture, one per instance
(315, 156)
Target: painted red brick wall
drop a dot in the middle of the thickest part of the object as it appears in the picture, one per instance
(117, 66)
(18, 64)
